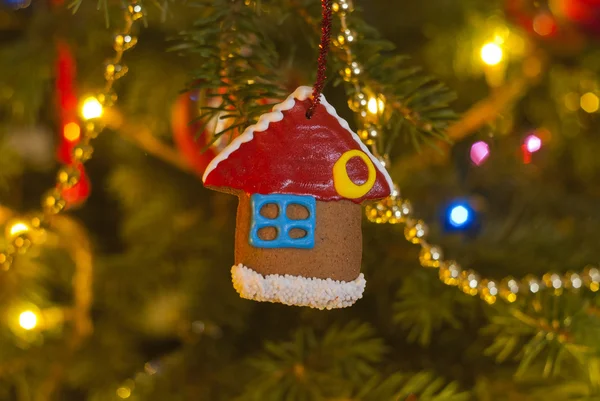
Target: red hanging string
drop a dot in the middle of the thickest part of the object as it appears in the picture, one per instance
(322, 63)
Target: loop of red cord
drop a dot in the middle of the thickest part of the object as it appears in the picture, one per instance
(322, 63)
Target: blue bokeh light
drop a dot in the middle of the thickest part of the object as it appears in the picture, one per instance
(459, 215)
(17, 4)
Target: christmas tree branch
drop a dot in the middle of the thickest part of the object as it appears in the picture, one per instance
(239, 65)
(419, 101)
(141, 135)
(344, 355)
(481, 113)
(549, 332)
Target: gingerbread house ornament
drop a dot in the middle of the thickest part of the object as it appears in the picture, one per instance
(300, 184)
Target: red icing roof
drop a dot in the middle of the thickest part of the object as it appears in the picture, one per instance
(294, 155)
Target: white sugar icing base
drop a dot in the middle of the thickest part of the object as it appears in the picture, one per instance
(296, 290)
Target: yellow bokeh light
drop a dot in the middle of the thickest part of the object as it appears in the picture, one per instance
(372, 105)
(589, 102)
(381, 105)
(123, 392)
(28, 320)
(491, 54)
(18, 228)
(71, 131)
(91, 108)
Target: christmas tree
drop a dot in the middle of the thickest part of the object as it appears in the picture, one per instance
(481, 266)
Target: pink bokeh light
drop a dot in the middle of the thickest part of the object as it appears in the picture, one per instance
(480, 151)
(533, 143)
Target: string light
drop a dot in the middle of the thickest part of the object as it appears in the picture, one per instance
(372, 106)
(17, 229)
(91, 108)
(28, 320)
(491, 53)
(479, 153)
(459, 215)
(533, 143)
(381, 104)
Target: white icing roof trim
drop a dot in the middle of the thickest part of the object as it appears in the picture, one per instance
(297, 290)
(302, 93)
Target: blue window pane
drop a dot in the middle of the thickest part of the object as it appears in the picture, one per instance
(282, 223)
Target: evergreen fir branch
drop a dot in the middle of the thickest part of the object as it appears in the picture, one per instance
(553, 332)
(312, 367)
(238, 63)
(101, 5)
(420, 101)
(424, 306)
(74, 5)
(425, 386)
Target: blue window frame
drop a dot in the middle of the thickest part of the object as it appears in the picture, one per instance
(282, 223)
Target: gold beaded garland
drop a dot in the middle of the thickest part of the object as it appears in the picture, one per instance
(415, 232)
(124, 42)
(591, 278)
(351, 72)
(5, 261)
(553, 281)
(488, 291)
(135, 11)
(450, 272)
(573, 281)
(344, 38)
(368, 134)
(342, 6)
(114, 71)
(509, 288)
(21, 234)
(469, 282)
(430, 256)
(53, 202)
(82, 152)
(358, 102)
(68, 176)
(107, 98)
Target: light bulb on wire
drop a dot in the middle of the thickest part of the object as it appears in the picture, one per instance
(28, 320)
(460, 216)
(18, 228)
(533, 143)
(479, 153)
(91, 108)
(491, 53)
